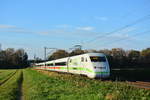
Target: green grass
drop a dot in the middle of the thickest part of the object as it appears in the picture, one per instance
(4, 74)
(10, 89)
(54, 86)
(45, 85)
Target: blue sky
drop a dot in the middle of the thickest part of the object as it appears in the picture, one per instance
(33, 24)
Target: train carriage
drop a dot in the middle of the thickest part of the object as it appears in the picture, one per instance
(92, 65)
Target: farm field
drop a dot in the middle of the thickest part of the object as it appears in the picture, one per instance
(28, 84)
(9, 88)
(4, 74)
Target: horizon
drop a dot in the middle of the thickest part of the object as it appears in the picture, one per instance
(32, 25)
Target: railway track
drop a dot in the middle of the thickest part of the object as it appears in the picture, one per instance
(9, 77)
(140, 84)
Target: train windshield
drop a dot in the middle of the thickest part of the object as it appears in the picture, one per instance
(97, 59)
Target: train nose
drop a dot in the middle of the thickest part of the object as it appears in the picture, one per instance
(100, 68)
(102, 75)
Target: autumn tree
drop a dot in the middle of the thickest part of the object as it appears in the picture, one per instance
(145, 56)
(58, 54)
(76, 52)
(133, 57)
(10, 58)
(119, 57)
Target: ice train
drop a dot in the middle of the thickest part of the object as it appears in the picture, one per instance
(93, 65)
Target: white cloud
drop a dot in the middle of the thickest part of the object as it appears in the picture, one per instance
(15, 29)
(19, 31)
(101, 18)
(87, 28)
(7, 26)
(61, 31)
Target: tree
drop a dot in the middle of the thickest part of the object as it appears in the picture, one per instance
(119, 57)
(76, 52)
(105, 51)
(10, 58)
(145, 56)
(37, 60)
(58, 54)
(3, 58)
(91, 50)
(133, 57)
(21, 57)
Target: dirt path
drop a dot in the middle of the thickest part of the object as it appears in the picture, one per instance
(20, 97)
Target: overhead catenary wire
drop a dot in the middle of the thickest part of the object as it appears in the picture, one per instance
(134, 35)
(119, 29)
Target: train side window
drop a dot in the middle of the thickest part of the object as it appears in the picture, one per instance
(60, 64)
(50, 64)
(70, 60)
(82, 59)
(86, 60)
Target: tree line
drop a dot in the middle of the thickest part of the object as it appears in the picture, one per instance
(117, 57)
(11, 58)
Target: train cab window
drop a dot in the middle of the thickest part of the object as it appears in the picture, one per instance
(97, 59)
(82, 59)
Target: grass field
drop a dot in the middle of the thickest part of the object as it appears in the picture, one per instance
(10, 89)
(4, 74)
(44, 85)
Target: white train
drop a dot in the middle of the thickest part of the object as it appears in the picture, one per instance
(93, 65)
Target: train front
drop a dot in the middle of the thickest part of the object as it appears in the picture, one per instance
(100, 65)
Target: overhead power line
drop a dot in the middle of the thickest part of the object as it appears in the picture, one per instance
(134, 35)
(119, 29)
